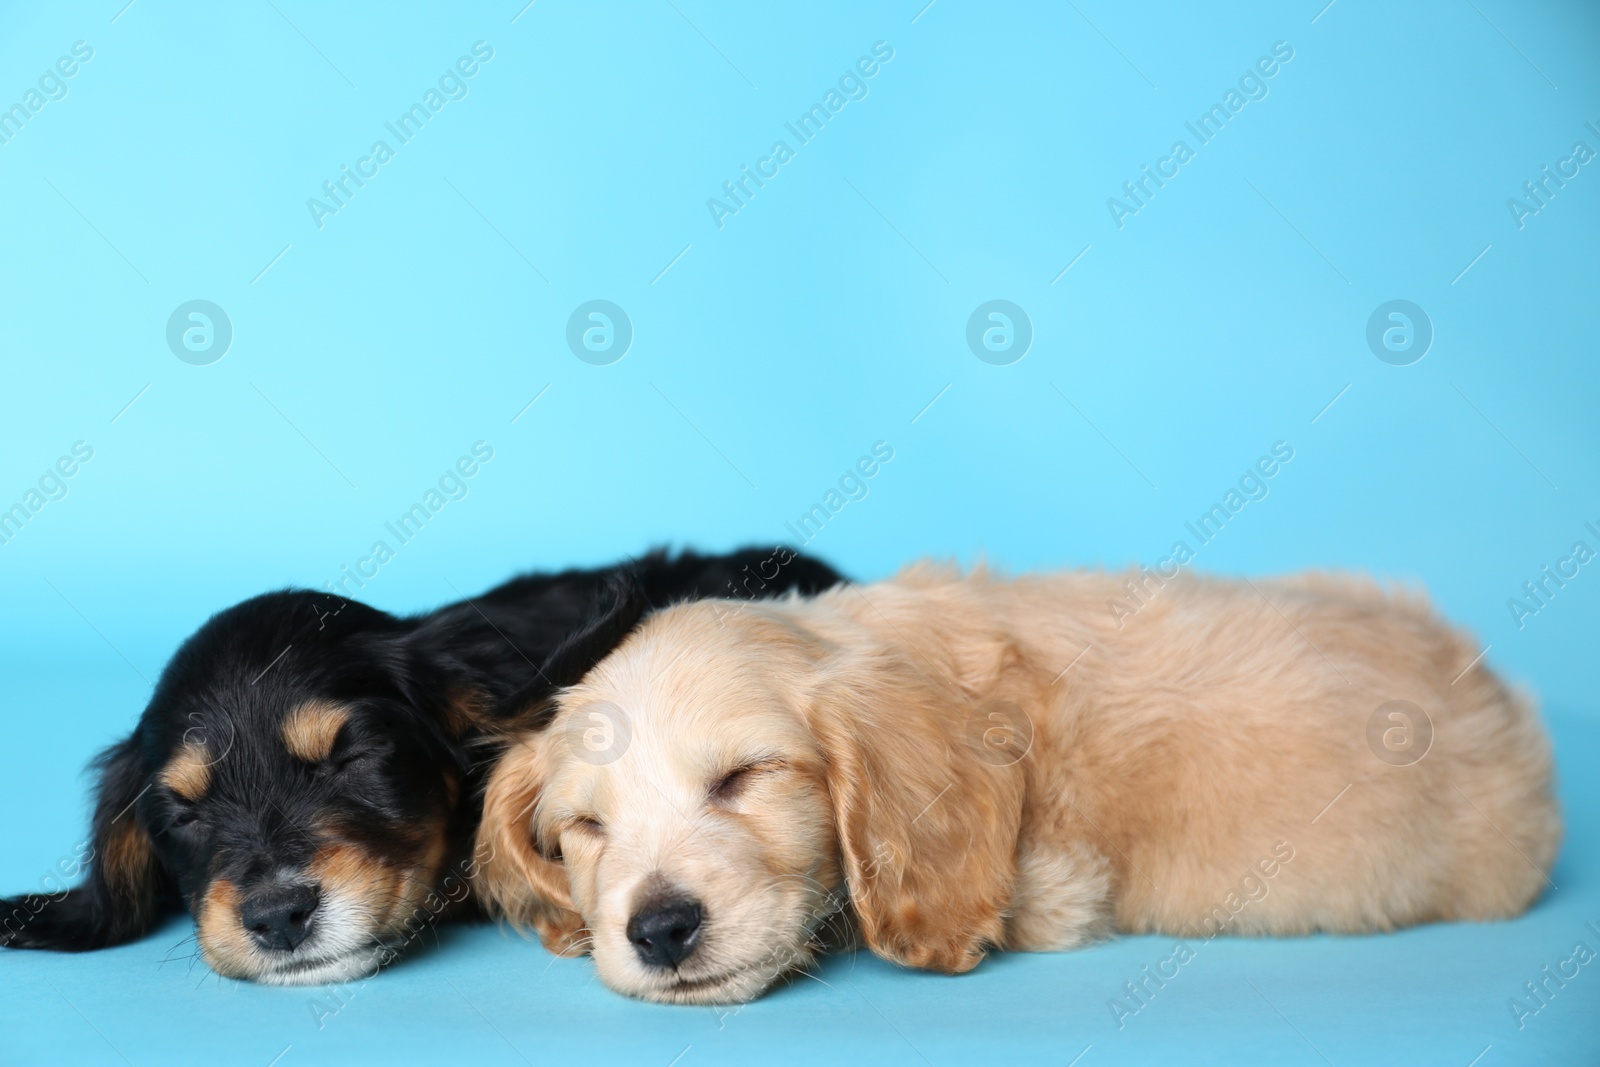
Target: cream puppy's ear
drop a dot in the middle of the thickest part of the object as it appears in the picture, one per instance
(927, 827)
(519, 881)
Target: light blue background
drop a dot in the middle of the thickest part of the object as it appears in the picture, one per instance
(768, 355)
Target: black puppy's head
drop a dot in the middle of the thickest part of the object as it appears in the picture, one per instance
(293, 781)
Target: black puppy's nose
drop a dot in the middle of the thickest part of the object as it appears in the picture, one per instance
(665, 934)
(280, 918)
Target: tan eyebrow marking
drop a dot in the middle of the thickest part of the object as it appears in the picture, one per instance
(188, 773)
(310, 729)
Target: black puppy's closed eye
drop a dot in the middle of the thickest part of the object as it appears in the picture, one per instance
(350, 752)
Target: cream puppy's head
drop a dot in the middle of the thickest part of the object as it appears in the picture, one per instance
(719, 788)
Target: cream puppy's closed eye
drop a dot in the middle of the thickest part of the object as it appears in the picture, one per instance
(910, 758)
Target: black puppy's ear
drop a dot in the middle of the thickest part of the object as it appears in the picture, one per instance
(616, 609)
(118, 902)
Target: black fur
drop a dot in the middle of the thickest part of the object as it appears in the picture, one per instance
(431, 699)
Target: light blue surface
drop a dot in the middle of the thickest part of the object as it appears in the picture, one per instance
(829, 313)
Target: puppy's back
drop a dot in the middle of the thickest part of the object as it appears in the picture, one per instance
(1195, 730)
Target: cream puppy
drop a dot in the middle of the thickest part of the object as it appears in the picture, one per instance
(952, 763)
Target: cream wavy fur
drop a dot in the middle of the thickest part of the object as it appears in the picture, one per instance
(957, 762)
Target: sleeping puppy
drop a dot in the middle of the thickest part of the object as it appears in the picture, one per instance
(959, 763)
(305, 777)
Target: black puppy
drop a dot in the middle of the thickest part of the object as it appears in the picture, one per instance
(306, 776)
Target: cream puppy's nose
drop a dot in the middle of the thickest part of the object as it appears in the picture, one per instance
(665, 932)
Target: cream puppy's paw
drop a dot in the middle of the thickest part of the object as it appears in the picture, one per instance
(1061, 899)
